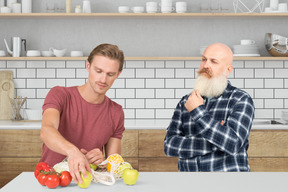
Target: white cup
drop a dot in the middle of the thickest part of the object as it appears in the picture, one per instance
(274, 5)
(5, 9)
(247, 42)
(2, 53)
(138, 9)
(167, 9)
(181, 7)
(16, 7)
(151, 9)
(76, 54)
(282, 7)
(151, 4)
(166, 4)
(123, 9)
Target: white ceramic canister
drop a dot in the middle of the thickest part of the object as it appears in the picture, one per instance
(26, 6)
(86, 6)
(2, 3)
(9, 3)
(16, 7)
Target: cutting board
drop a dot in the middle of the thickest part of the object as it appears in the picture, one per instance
(6, 92)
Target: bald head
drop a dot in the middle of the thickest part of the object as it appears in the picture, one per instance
(220, 51)
(217, 59)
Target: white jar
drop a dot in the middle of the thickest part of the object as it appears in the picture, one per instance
(26, 6)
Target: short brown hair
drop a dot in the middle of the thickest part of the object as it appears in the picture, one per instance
(110, 51)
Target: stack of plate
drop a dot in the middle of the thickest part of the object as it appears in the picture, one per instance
(246, 50)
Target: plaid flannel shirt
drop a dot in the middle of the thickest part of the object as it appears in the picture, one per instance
(199, 140)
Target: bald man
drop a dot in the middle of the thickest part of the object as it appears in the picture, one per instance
(210, 127)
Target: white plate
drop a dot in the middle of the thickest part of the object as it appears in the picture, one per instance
(246, 55)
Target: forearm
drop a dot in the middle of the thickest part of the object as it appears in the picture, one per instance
(55, 141)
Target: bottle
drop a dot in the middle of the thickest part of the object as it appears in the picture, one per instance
(68, 6)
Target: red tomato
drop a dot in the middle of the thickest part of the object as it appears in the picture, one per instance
(36, 173)
(42, 178)
(65, 178)
(41, 165)
(52, 181)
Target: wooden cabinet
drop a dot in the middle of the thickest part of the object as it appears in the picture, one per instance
(20, 150)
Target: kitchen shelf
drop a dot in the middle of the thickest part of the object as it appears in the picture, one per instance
(39, 15)
(132, 58)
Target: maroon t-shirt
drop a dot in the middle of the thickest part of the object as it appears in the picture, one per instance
(84, 124)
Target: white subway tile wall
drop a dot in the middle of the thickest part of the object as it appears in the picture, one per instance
(152, 89)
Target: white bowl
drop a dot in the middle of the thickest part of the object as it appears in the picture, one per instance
(76, 54)
(33, 53)
(46, 53)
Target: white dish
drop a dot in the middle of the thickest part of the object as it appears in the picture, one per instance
(46, 53)
(246, 55)
(33, 53)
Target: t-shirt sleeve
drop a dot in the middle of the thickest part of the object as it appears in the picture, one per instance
(55, 99)
(118, 133)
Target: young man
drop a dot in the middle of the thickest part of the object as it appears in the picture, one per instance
(78, 122)
(210, 127)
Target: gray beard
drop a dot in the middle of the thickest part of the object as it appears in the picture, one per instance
(210, 87)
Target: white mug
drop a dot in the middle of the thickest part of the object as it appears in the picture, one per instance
(247, 42)
(181, 7)
(2, 53)
(16, 7)
(123, 9)
(5, 9)
(151, 9)
(282, 7)
(138, 9)
(151, 4)
(167, 9)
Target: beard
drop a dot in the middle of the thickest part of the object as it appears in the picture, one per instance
(208, 85)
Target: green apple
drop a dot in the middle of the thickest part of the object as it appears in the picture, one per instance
(86, 181)
(120, 169)
(130, 176)
(92, 166)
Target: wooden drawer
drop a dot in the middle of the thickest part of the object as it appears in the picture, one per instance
(129, 143)
(268, 164)
(20, 143)
(268, 143)
(151, 143)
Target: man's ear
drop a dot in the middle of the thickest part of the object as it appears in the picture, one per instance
(229, 69)
(88, 65)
